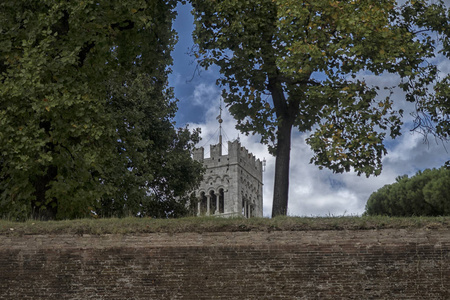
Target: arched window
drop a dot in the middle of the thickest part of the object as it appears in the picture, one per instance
(221, 201)
(213, 202)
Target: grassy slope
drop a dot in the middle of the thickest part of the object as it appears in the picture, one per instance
(210, 224)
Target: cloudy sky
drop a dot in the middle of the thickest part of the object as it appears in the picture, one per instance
(313, 192)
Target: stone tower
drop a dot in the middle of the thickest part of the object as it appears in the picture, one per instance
(232, 184)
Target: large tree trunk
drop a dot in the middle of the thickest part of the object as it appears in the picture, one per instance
(282, 162)
(286, 117)
(42, 208)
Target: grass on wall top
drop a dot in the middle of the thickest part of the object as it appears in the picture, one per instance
(210, 224)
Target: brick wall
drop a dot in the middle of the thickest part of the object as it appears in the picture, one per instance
(378, 264)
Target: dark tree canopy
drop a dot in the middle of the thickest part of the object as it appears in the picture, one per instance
(85, 110)
(425, 194)
(301, 64)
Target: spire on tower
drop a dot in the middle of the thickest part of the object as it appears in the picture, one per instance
(219, 117)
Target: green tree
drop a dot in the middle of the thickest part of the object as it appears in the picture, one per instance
(425, 194)
(289, 63)
(83, 95)
(157, 157)
(433, 109)
(436, 192)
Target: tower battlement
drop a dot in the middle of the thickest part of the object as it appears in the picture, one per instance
(236, 153)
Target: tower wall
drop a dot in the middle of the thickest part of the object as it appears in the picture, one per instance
(238, 174)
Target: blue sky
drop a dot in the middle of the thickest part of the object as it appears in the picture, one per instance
(313, 192)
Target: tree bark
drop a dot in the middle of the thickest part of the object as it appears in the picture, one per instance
(286, 116)
(282, 162)
(43, 208)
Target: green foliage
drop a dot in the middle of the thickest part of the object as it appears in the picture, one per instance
(157, 157)
(289, 63)
(425, 194)
(433, 109)
(85, 112)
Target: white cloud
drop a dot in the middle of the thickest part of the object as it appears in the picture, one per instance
(444, 67)
(204, 94)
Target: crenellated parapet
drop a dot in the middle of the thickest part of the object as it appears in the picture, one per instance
(199, 154)
(215, 150)
(241, 155)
